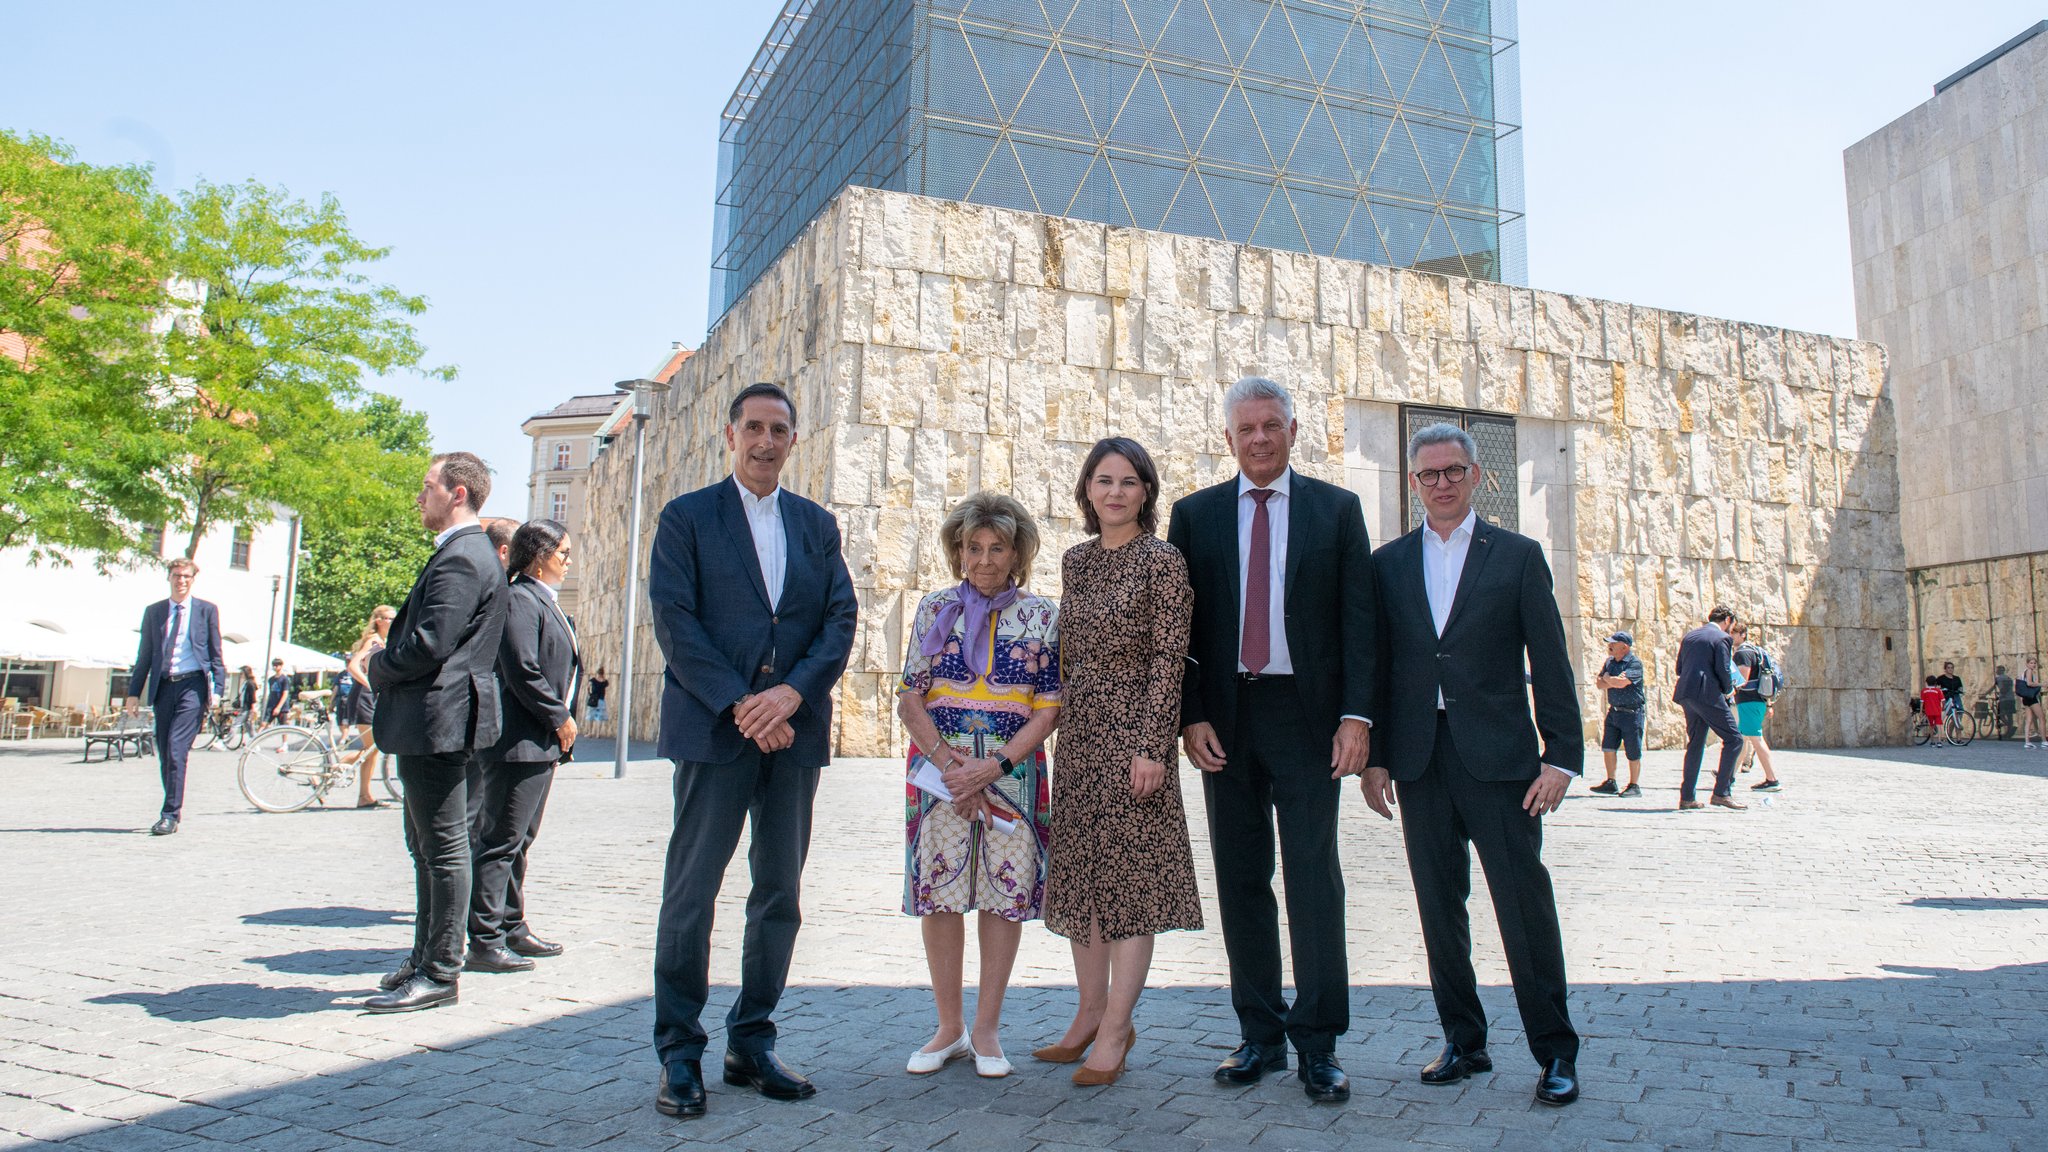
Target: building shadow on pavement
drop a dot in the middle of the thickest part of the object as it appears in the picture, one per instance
(1977, 903)
(1923, 1057)
(1980, 755)
(138, 830)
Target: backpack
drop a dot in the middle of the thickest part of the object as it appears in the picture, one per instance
(1769, 679)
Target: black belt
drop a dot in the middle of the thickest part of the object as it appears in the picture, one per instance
(183, 676)
(1619, 708)
(1257, 677)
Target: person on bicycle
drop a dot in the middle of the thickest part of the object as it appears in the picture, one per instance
(1931, 698)
(1951, 686)
(361, 707)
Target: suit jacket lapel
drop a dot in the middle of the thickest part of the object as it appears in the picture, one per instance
(1222, 527)
(1475, 559)
(792, 547)
(735, 519)
(1298, 527)
(1418, 579)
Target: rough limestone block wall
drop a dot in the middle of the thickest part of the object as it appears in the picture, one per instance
(1668, 461)
(1981, 614)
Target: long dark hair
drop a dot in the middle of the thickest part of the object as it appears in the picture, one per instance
(533, 540)
(1141, 463)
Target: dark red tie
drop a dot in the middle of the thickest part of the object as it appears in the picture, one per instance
(1257, 634)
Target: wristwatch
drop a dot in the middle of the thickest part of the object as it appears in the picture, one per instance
(1004, 763)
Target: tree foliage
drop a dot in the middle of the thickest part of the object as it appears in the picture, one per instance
(364, 547)
(84, 260)
(273, 369)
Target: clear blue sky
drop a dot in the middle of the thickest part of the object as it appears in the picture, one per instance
(544, 173)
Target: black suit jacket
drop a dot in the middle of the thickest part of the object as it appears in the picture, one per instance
(721, 638)
(203, 631)
(1503, 614)
(538, 666)
(1328, 595)
(1703, 662)
(435, 677)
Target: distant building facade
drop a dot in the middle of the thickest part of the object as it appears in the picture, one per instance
(1948, 228)
(1377, 132)
(564, 442)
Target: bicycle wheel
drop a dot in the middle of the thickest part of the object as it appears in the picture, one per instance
(1922, 730)
(1962, 728)
(387, 769)
(285, 768)
(237, 734)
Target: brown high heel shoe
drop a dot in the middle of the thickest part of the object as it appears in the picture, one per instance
(1062, 1054)
(1087, 1077)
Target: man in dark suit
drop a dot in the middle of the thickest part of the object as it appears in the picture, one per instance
(754, 612)
(437, 702)
(1280, 676)
(1705, 678)
(1465, 607)
(179, 669)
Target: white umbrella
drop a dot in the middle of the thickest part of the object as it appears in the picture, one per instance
(40, 641)
(296, 657)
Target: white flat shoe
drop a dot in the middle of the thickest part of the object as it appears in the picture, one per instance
(926, 1063)
(991, 1067)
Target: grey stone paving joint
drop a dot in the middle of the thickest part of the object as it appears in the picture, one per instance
(1857, 964)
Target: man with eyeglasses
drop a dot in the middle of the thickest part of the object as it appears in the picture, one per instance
(1464, 607)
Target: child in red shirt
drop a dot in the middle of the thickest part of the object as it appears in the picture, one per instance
(1930, 705)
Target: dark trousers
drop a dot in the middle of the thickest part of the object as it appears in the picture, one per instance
(437, 836)
(180, 708)
(772, 796)
(1442, 812)
(514, 795)
(1699, 720)
(1276, 772)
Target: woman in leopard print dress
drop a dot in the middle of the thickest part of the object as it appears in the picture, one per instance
(1120, 870)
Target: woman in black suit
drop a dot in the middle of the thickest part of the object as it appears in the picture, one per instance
(538, 667)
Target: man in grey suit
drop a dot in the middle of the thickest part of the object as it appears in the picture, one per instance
(180, 671)
(1705, 678)
(754, 612)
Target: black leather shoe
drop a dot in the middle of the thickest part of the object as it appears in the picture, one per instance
(1454, 1064)
(163, 827)
(527, 944)
(765, 1073)
(391, 980)
(682, 1090)
(1560, 1084)
(419, 992)
(1250, 1062)
(1323, 1080)
(495, 958)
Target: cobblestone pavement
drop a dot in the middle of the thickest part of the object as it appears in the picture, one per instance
(1860, 963)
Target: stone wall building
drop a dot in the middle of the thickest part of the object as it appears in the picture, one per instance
(1948, 215)
(1667, 461)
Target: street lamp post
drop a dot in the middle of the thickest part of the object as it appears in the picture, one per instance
(643, 392)
(276, 583)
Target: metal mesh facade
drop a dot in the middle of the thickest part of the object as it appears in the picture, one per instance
(1379, 130)
(1498, 496)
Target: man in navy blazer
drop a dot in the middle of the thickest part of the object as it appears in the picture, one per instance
(754, 612)
(1465, 608)
(1706, 672)
(180, 670)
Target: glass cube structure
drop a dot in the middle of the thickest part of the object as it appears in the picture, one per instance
(1376, 130)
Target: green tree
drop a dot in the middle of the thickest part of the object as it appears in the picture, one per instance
(84, 414)
(364, 547)
(272, 370)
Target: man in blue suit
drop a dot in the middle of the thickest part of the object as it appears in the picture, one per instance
(180, 670)
(1706, 675)
(754, 612)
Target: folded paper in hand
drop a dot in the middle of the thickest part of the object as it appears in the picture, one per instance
(926, 777)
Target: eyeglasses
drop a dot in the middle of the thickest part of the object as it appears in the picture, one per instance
(1455, 474)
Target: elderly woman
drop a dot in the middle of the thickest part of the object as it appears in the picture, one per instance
(979, 695)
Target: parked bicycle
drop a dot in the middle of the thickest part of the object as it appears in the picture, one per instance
(289, 766)
(1958, 727)
(226, 727)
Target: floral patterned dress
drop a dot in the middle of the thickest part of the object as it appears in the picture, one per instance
(1118, 861)
(950, 864)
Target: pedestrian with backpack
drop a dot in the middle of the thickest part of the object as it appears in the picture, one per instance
(1757, 681)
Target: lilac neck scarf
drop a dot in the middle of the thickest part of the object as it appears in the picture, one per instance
(978, 609)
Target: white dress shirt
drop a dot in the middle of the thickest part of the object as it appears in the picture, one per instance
(764, 520)
(442, 536)
(184, 657)
(1443, 562)
(1279, 661)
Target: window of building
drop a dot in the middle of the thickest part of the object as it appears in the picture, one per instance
(1498, 497)
(558, 506)
(162, 536)
(238, 556)
(562, 455)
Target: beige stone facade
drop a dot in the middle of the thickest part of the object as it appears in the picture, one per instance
(1667, 461)
(1948, 215)
(564, 442)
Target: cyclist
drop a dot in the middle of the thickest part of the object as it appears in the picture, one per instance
(1951, 686)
